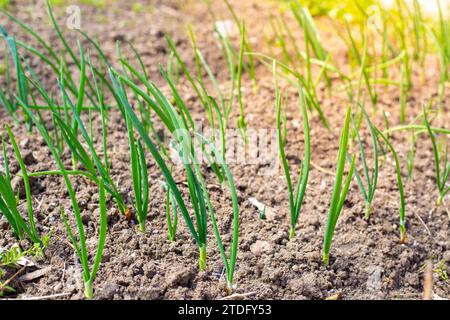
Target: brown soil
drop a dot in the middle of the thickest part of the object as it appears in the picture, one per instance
(367, 262)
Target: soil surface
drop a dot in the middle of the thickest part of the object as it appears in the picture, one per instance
(367, 260)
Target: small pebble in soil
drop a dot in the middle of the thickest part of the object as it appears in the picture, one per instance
(260, 247)
(28, 158)
(107, 291)
(181, 277)
(86, 217)
(4, 224)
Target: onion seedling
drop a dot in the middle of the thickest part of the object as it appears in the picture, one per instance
(173, 68)
(137, 156)
(5, 97)
(403, 94)
(440, 38)
(93, 167)
(400, 185)
(172, 219)
(312, 38)
(419, 36)
(440, 159)
(230, 56)
(8, 201)
(140, 177)
(230, 263)
(370, 180)
(295, 198)
(55, 60)
(249, 67)
(26, 182)
(80, 64)
(49, 57)
(242, 124)
(198, 201)
(402, 30)
(22, 89)
(92, 164)
(80, 245)
(180, 124)
(339, 190)
(418, 127)
(199, 88)
(411, 158)
(361, 60)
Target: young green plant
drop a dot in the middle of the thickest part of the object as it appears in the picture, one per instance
(93, 167)
(249, 66)
(161, 108)
(68, 124)
(172, 219)
(242, 123)
(440, 39)
(367, 192)
(442, 165)
(312, 38)
(22, 88)
(80, 247)
(180, 124)
(295, 197)
(140, 178)
(339, 191)
(398, 173)
(9, 202)
(80, 244)
(361, 60)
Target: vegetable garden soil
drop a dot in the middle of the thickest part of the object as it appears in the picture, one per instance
(367, 260)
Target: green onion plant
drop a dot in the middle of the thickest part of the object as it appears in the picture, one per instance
(442, 165)
(9, 201)
(172, 218)
(89, 274)
(295, 197)
(179, 123)
(370, 176)
(398, 173)
(80, 244)
(339, 191)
